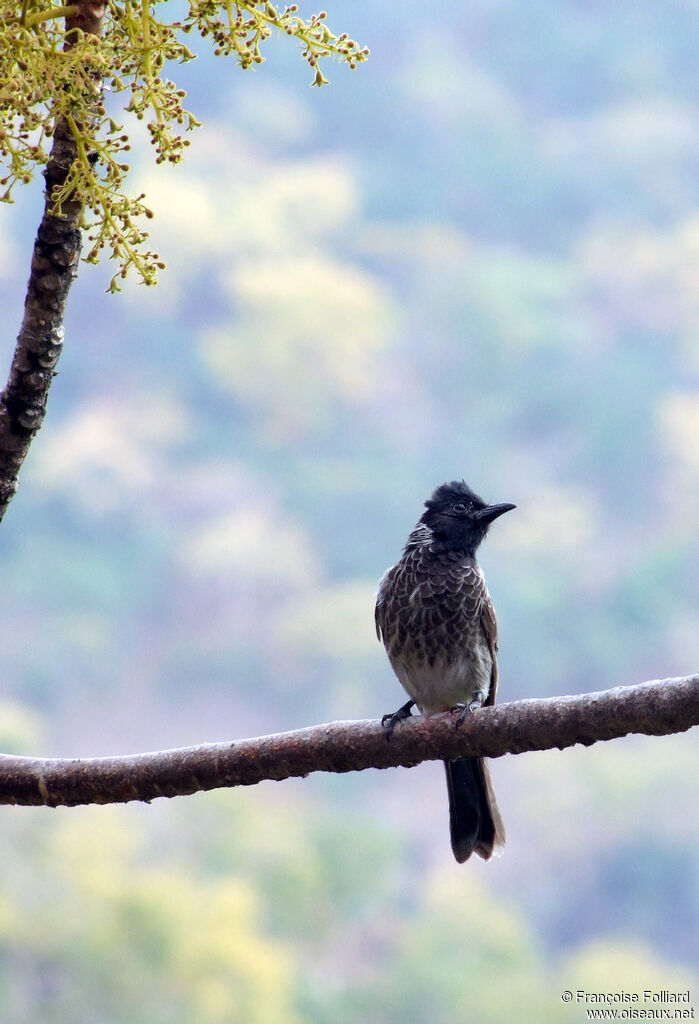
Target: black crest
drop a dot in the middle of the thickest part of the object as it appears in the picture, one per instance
(455, 493)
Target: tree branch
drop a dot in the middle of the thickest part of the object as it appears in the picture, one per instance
(53, 269)
(654, 709)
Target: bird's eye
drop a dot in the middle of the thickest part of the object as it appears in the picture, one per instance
(460, 507)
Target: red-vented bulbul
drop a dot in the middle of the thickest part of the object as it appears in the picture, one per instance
(436, 620)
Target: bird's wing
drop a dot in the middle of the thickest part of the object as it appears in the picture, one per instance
(380, 609)
(490, 630)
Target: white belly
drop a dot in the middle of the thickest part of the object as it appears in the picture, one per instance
(440, 686)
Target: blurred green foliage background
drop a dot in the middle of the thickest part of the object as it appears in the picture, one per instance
(476, 256)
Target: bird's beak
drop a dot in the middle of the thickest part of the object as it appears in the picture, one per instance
(487, 515)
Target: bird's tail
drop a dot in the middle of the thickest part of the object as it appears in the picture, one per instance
(474, 817)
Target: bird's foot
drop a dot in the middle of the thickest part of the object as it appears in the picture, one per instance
(390, 721)
(465, 709)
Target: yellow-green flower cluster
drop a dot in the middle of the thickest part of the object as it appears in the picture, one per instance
(43, 83)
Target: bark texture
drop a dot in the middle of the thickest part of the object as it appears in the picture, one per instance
(53, 269)
(656, 709)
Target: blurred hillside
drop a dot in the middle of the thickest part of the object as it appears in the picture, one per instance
(478, 256)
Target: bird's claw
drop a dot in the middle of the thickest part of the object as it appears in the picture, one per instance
(391, 720)
(463, 710)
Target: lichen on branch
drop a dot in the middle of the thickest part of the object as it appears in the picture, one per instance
(43, 82)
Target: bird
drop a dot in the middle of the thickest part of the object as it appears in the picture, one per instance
(436, 620)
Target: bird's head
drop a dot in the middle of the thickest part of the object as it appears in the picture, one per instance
(458, 517)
